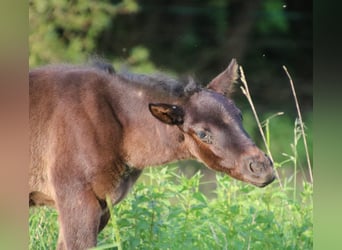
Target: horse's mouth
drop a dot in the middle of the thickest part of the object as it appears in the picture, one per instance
(263, 184)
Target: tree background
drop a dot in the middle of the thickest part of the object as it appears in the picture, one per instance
(189, 37)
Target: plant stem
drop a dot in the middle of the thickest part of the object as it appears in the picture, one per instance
(300, 122)
(115, 225)
(250, 237)
(245, 91)
(152, 222)
(295, 161)
(267, 128)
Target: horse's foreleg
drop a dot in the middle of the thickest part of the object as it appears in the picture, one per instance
(79, 218)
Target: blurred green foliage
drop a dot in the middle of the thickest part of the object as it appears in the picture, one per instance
(197, 37)
(275, 17)
(66, 31)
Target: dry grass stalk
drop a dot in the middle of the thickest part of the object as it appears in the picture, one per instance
(301, 123)
(245, 91)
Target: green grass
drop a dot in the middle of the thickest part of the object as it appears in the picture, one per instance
(173, 214)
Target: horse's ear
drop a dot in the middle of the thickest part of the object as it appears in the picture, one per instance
(167, 113)
(224, 82)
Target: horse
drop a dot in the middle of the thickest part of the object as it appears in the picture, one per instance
(93, 131)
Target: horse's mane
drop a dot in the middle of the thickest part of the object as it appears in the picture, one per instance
(164, 84)
(158, 82)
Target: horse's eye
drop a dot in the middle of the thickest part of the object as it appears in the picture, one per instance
(205, 136)
(202, 134)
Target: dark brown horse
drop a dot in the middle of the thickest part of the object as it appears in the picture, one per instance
(93, 131)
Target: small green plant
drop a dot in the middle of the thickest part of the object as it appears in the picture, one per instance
(172, 214)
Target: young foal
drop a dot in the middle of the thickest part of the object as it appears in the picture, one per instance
(92, 132)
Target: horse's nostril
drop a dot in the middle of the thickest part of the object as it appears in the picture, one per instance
(251, 167)
(256, 167)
